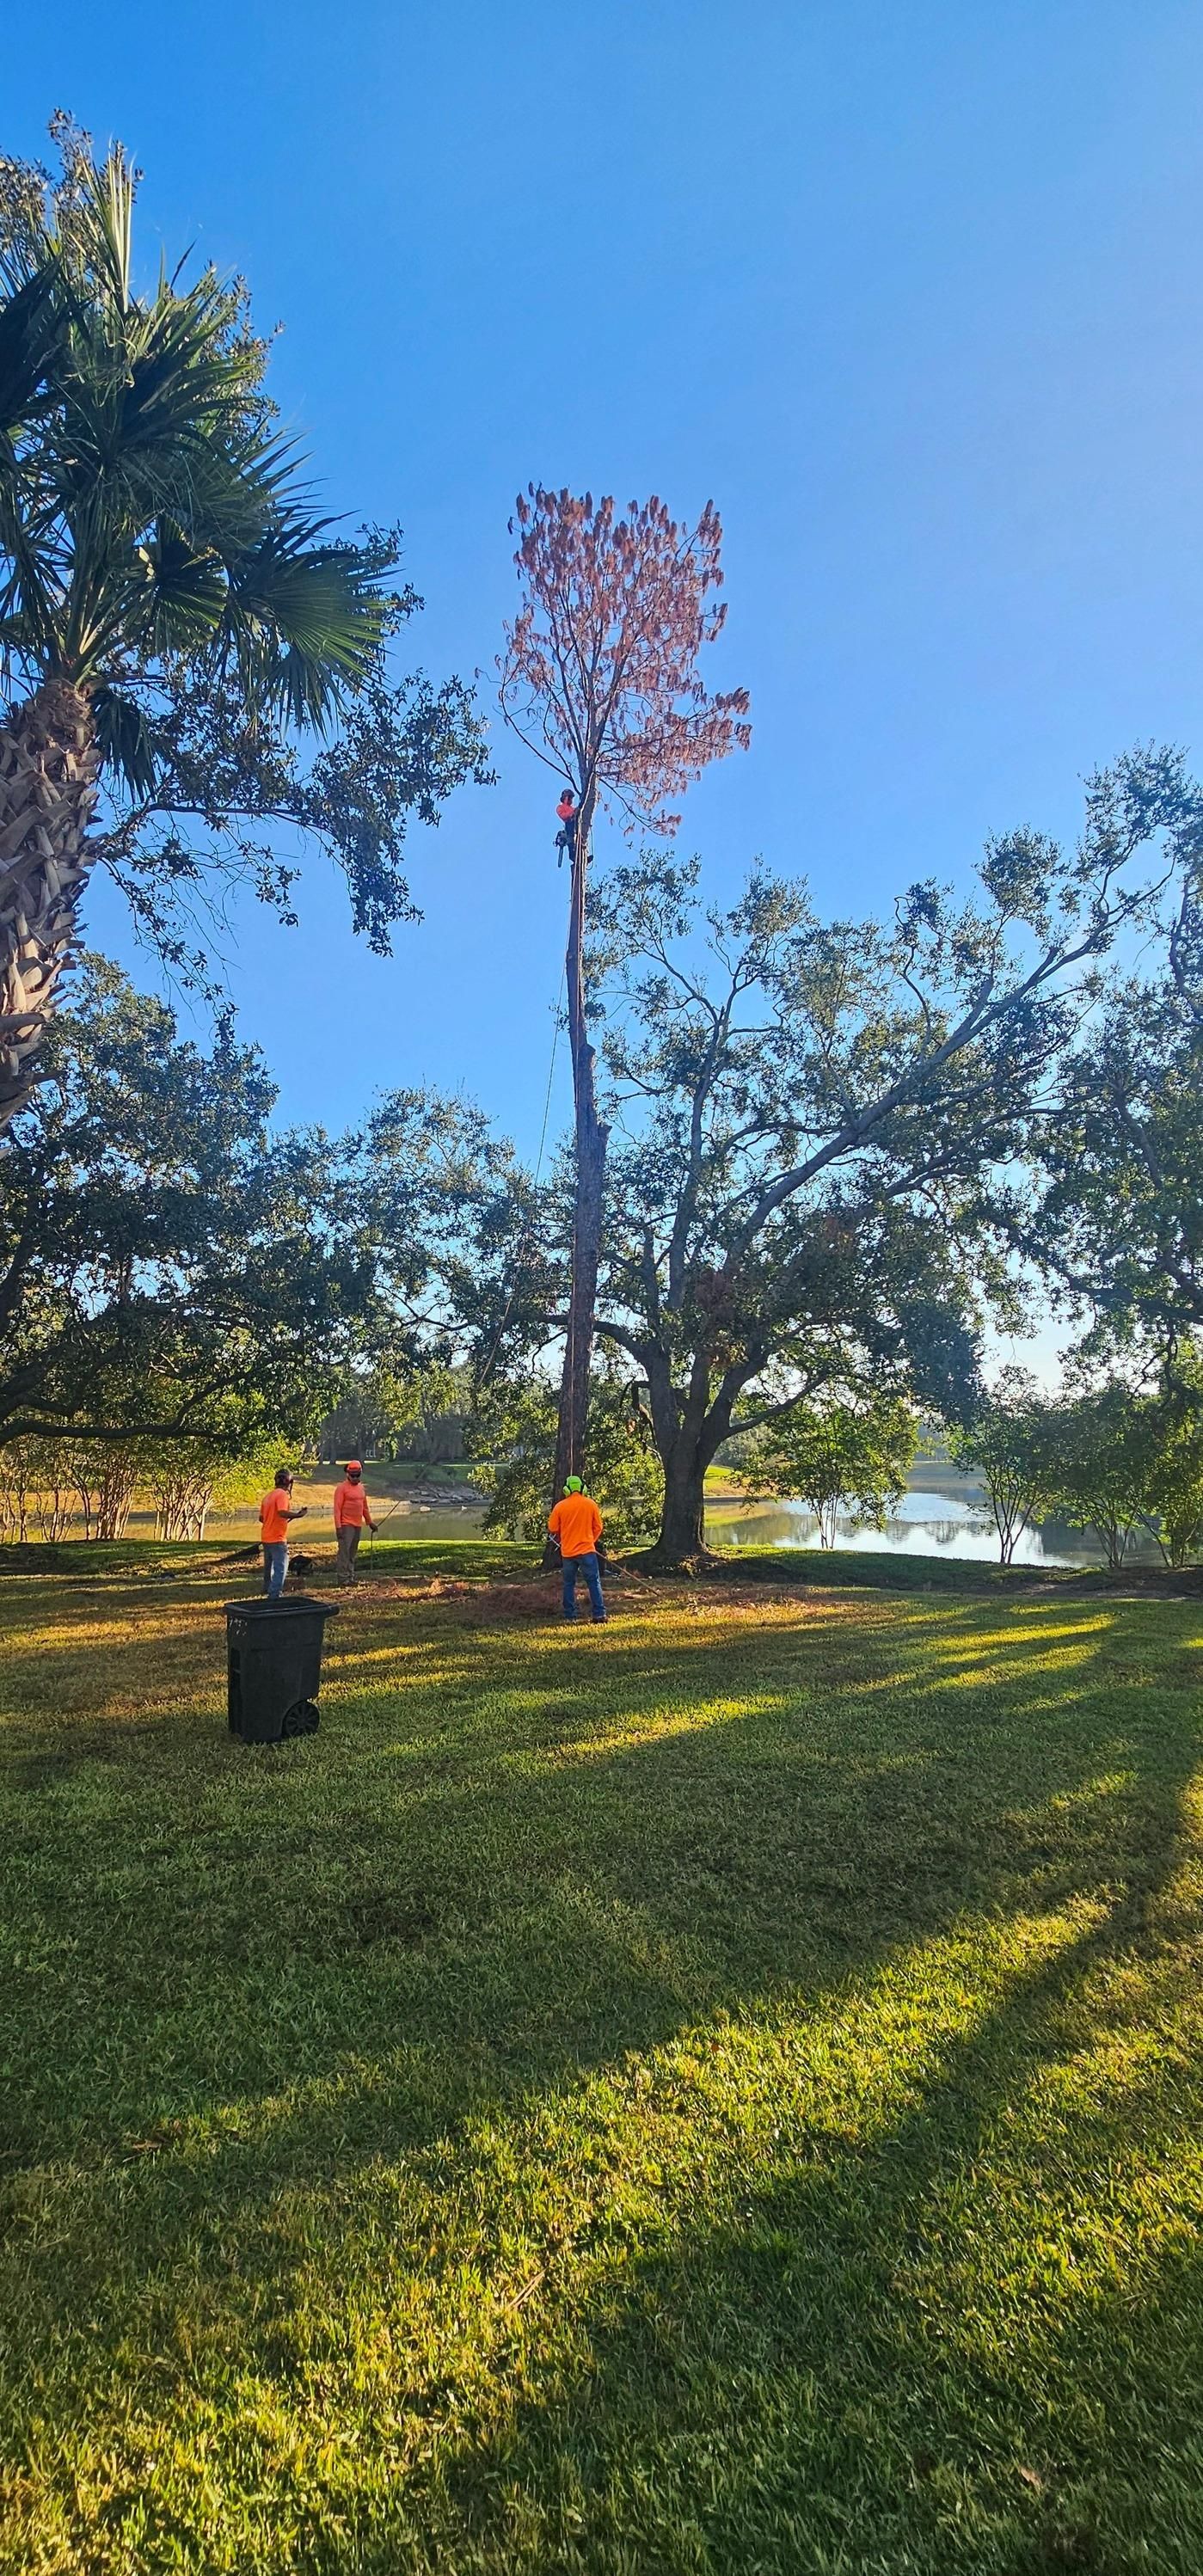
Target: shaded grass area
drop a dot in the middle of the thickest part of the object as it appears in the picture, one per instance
(476, 1559)
(724, 2095)
(875, 1570)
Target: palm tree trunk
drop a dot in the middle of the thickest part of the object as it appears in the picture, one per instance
(48, 767)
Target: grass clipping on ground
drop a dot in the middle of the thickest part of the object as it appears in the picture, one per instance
(721, 2093)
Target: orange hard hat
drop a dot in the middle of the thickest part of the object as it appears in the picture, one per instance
(353, 1467)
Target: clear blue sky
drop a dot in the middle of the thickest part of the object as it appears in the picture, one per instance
(913, 288)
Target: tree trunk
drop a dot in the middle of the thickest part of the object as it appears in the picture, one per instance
(48, 768)
(591, 1141)
(681, 1545)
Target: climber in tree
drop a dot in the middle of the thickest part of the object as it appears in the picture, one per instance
(566, 836)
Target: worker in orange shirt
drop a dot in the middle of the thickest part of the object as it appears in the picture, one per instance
(566, 836)
(577, 1525)
(351, 1510)
(274, 1517)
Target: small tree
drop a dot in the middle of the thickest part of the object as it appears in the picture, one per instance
(1174, 1489)
(842, 1452)
(15, 1495)
(105, 1474)
(600, 679)
(185, 1479)
(1104, 1443)
(52, 1481)
(1009, 1444)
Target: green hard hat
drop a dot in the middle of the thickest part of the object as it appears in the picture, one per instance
(573, 1485)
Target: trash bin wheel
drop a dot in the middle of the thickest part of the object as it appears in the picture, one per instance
(301, 1720)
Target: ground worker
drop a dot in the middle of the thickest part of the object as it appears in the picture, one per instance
(351, 1510)
(274, 1517)
(566, 836)
(577, 1525)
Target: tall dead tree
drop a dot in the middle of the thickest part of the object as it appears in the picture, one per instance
(599, 678)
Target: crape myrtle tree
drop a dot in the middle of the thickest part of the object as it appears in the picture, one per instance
(1174, 1481)
(1011, 1443)
(854, 1447)
(600, 678)
(1107, 1440)
(821, 1120)
(174, 615)
(167, 1269)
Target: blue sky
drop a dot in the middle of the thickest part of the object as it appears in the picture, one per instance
(913, 291)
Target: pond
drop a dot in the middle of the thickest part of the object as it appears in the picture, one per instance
(954, 1521)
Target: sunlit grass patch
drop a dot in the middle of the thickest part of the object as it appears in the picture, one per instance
(723, 2092)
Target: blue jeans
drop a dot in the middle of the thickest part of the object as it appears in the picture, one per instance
(588, 1566)
(275, 1561)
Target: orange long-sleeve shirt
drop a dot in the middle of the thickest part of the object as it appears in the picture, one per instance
(275, 1512)
(577, 1523)
(351, 1505)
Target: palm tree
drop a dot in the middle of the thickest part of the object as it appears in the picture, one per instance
(151, 519)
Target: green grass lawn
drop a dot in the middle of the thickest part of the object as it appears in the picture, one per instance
(722, 2096)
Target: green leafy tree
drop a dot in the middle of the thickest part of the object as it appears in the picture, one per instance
(855, 1453)
(1114, 1212)
(820, 1119)
(1105, 1442)
(514, 1445)
(167, 1269)
(173, 611)
(1011, 1445)
(184, 1480)
(1174, 1486)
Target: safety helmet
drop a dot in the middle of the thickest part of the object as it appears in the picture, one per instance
(573, 1485)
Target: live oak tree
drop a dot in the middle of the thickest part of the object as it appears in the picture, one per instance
(822, 1120)
(600, 678)
(174, 614)
(1113, 1215)
(168, 1270)
(233, 802)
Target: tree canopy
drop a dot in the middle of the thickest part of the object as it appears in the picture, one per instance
(820, 1122)
(165, 1266)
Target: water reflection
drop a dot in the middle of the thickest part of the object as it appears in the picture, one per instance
(926, 1524)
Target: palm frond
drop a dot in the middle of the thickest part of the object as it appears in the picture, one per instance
(126, 741)
(185, 591)
(31, 329)
(103, 223)
(149, 507)
(304, 621)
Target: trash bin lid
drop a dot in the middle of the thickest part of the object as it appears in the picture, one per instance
(255, 1607)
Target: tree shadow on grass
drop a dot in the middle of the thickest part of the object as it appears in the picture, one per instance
(426, 1858)
(286, 1984)
(970, 2344)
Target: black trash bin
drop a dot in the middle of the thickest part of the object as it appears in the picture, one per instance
(274, 1655)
